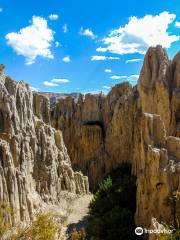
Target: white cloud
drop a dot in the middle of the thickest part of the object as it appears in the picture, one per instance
(106, 87)
(65, 28)
(53, 17)
(87, 32)
(98, 58)
(55, 82)
(50, 84)
(66, 59)
(57, 44)
(133, 77)
(134, 60)
(101, 49)
(140, 33)
(116, 77)
(60, 80)
(1, 10)
(177, 24)
(113, 58)
(32, 41)
(103, 58)
(108, 70)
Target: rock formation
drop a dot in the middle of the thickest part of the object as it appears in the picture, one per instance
(139, 125)
(34, 164)
(97, 130)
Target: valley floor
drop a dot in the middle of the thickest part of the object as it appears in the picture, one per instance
(77, 218)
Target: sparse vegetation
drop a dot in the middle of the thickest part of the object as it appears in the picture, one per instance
(78, 235)
(44, 227)
(174, 202)
(4, 218)
(113, 206)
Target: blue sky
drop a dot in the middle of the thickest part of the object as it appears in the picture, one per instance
(83, 46)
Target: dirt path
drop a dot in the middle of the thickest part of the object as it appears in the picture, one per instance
(77, 218)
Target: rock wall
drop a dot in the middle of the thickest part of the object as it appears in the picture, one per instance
(98, 130)
(140, 125)
(34, 164)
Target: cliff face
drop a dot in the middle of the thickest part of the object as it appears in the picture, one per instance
(98, 130)
(140, 125)
(158, 86)
(34, 164)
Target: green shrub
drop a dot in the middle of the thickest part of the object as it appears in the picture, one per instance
(44, 227)
(113, 206)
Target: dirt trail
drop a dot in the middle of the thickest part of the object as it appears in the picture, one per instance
(77, 218)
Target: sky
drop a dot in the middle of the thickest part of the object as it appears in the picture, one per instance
(83, 46)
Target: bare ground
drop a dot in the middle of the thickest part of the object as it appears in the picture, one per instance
(77, 218)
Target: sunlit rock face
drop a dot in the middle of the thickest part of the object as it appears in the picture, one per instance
(139, 125)
(98, 130)
(34, 164)
(96, 133)
(158, 87)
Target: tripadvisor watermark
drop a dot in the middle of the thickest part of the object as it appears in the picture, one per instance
(140, 231)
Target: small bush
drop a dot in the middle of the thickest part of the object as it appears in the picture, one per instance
(113, 206)
(5, 225)
(43, 228)
(78, 235)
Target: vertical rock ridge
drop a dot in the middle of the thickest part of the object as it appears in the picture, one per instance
(138, 125)
(34, 164)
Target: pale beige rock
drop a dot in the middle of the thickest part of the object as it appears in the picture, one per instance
(153, 84)
(34, 164)
(130, 125)
(139, 125)
(97, 130)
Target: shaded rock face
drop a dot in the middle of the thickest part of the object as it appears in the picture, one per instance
(34, 164)
(139, 125)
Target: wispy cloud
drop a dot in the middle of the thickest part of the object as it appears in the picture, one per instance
(103, 58)
(134, 60)
(108, 70)
(177, 24)
(140, 33)
(65, 28)
(60, 80)
(133, 77)
(50, 84)
(116, 77)
(57, 44)
(55, 82)
(22, 43)
(66, 59)
(53, 17)
(106, 87)
(87, 32)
